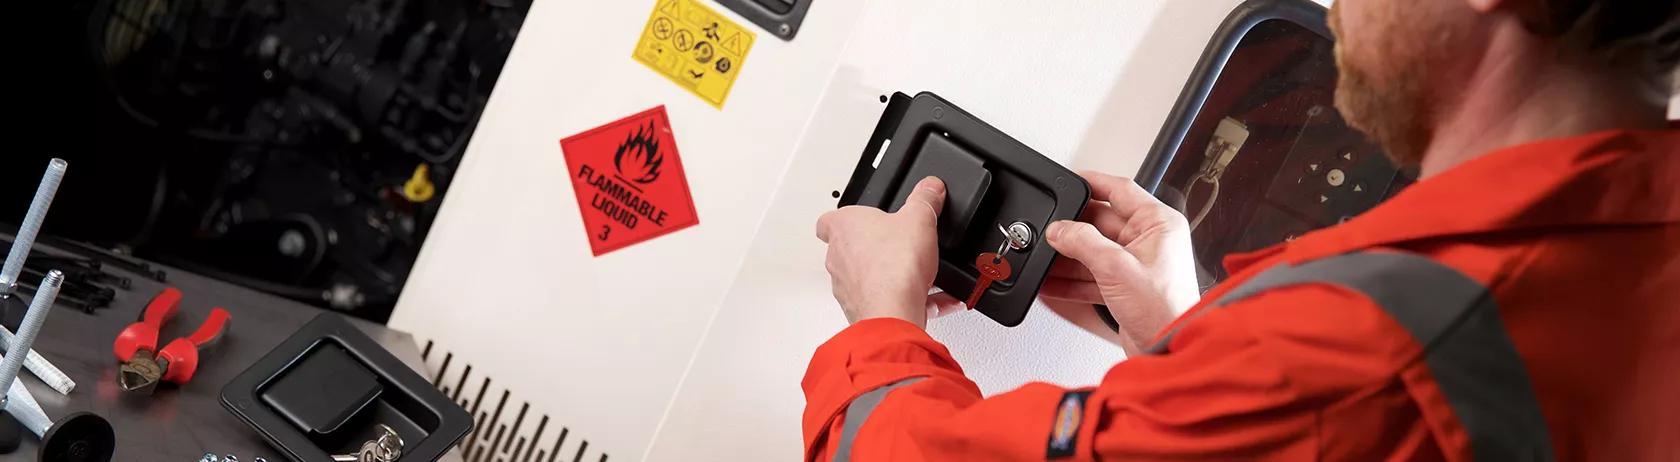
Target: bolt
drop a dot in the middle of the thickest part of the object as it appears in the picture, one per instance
(40, 366)
(1336, 177)
(292, 243)
(209, 457)
(784, 29)
(268, 46)
(31, 326)
(31, 224)
(22, 406)
(343, 296)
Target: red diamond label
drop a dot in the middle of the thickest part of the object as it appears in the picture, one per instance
(629, 181)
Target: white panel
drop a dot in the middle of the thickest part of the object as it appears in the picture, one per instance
(1094, 78)
(506, 279)
(1136, 105)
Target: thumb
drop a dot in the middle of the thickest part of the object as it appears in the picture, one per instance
(929, 192)
(1108, 261)
(941, 304)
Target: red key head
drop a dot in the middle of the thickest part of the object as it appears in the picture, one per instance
(992, 266)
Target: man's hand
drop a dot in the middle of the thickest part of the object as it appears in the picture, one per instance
(882, 264)
(1128, 251)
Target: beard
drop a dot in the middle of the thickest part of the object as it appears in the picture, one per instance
(1385, 89)
(1394, 115)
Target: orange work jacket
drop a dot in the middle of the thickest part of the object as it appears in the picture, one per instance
(1524, 305)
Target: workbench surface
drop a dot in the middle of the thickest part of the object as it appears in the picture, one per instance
(176, 424)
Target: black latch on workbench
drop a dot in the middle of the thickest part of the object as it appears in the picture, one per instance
(329, 390)
(995, 185)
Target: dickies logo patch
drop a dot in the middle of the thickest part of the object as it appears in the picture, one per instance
(1064, 431)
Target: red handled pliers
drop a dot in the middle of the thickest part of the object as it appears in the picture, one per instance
(143, 365)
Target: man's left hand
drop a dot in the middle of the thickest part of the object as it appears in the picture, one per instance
(882, 264)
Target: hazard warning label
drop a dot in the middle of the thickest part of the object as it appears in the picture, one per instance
(629, 181)
(695, 47)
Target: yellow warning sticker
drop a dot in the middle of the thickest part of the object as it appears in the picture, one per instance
(695, 47)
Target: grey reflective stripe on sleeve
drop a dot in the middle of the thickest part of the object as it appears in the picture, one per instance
(1456, 321)
(858, 412)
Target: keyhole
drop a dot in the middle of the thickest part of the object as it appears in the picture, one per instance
(1018, 236)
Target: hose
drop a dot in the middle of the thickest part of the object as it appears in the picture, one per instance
(1207, 205)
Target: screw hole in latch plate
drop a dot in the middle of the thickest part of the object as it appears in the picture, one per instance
(781, 18)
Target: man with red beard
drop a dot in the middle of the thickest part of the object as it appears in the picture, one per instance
(1520, 302)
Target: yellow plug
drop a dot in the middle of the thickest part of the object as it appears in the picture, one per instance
(419, 188)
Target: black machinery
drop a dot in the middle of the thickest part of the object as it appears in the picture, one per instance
(298, 147)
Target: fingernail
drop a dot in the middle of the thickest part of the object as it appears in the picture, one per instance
(1054, 231)
(932, 184)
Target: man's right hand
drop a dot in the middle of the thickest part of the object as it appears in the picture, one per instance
(1128, 251)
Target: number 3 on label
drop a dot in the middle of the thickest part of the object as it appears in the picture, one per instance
(605, 230)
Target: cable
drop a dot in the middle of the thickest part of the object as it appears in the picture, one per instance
(300, 293)
(1207, 206)
(475, 108)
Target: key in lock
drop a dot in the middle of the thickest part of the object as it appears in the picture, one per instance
(1018, 235)
(387, 448)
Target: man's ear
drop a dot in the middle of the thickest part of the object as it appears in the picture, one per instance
(1488, 6)
(1543, 17)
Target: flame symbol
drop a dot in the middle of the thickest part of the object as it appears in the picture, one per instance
(642, 150)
